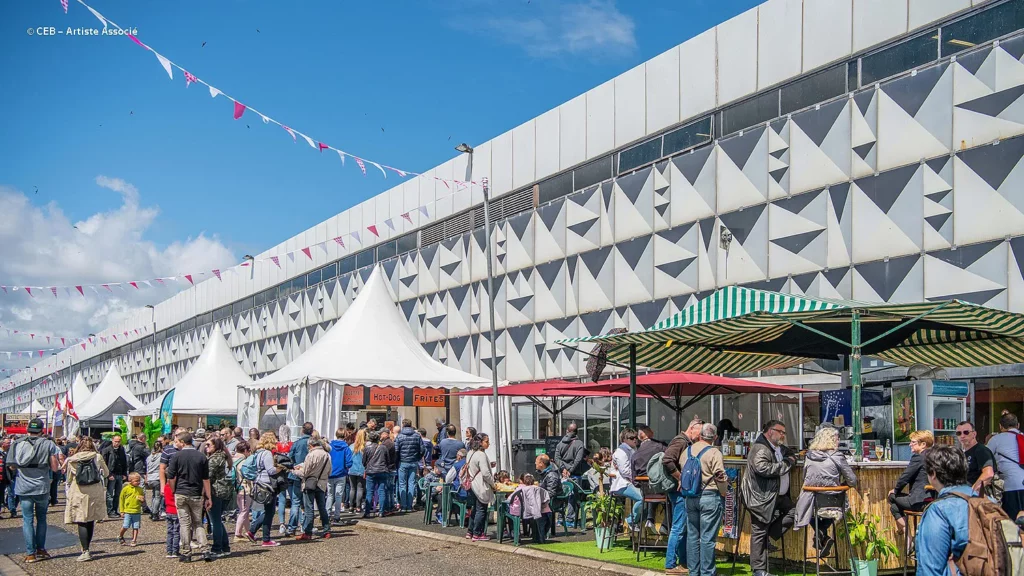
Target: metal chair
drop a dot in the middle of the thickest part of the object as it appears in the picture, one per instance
(639, 538)
(505, 515)
(736, 549)
(558, 506)
(828, 502)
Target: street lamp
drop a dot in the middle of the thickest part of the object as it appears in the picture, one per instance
(467, 149)
(252, 264)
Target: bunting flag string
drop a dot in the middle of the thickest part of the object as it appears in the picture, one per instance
(240, 108)
(32, 335)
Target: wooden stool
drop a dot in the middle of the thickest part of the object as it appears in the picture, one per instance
(912, 517)
(831, 499)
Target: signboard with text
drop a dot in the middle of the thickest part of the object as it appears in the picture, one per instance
(428, 397)
(353, 396)
(388, 396)
(382, 396)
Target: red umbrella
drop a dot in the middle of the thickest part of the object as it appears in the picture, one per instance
(534, 391)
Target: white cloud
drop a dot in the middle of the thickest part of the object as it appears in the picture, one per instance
(42, 247)
(590, 28)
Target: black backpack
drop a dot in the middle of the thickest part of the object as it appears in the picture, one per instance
(86, 473)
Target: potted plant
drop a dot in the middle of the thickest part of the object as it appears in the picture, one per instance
(153, 429)
(869, 546)
(605, 510)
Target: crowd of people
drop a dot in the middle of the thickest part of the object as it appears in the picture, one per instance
(196, 482)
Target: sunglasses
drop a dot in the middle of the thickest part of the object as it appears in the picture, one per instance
(963, 432)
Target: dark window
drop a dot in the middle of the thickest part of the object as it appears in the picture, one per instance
(815, 88)
(313, 278)
(189, 324)
(330, 271)
(407, 243)
(904, 56)
(298, 284)
(639, 155)
(221, 313)
(241, 306)
(982, 27)
(346, 265)
(161, 335)
(693, 134)
(750, 113)
(592, 173)
(205, 318)
(852, 82)
(364, 258)
(555, 187)
(386, 250)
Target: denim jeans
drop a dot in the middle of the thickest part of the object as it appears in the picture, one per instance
(703, 517)
(282, 502)
(173, 534)
(295, 489)
(264, 519)
(407, 484)
(376, 486)
(389, 491)
(156, 500)
(309, 498)
(220, 534)
(479, 517)
(336, 494)
(33, 521)
(675, 553)
(356, 492)
(114, 494)
(633, 493)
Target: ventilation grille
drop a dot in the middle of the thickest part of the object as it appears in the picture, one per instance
(449, 228)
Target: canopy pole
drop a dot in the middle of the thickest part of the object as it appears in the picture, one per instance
(855, 379)
(632, 386)
(496, 439)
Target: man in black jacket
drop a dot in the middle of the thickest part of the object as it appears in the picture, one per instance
(647, 449)
(117, 463)
(765, 492)
(409, 446)
(137, 455)
(550, 479)
(570, 457)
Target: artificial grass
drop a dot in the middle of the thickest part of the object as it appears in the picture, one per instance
(622, 553)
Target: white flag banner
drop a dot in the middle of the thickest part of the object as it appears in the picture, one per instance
(308, 139)
(166, 64)
(214, 92)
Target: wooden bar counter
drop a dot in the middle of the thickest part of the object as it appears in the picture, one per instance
(874, 480)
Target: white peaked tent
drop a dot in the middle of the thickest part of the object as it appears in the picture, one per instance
(111, 397)
(371, 345)
(209, 387)
(37, 407)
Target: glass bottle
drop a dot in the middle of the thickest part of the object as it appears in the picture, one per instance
(888, 451)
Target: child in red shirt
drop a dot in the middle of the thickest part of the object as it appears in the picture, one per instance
(173, 528)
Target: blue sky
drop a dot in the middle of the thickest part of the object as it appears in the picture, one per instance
(109, 171)
(340, 71)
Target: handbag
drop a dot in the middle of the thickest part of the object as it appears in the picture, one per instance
(261, 493)
(309, 481)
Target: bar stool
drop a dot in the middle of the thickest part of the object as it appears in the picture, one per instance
(828, 502)
(640, 537)
(736, 549)
(908, 540)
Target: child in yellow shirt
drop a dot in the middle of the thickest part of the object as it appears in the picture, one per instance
(130, 506)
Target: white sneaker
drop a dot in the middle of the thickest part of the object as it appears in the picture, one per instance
(195, 545)
(282, 530)
(84, 557)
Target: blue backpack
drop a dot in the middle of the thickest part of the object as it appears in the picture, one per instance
(690, 484)
(250, 467)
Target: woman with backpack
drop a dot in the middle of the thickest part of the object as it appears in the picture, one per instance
(86, 474)
(476, 477)
(222, 491)
(265, 488)
(243, 488)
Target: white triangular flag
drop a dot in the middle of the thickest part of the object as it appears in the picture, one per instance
(265, 119)
(342, 156)
(379, 168)
(98, 17)
(308, 139)
(165, 63)
(214, 92)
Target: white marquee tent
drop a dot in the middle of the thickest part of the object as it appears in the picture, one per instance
(111, 397)
(210, 386)
(371, 345)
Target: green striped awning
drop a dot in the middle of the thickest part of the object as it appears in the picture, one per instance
(742, 329)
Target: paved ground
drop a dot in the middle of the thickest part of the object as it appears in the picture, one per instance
(357, 550)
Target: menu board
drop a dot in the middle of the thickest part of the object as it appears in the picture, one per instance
(17, 421)
(729, 528)
(904, 413)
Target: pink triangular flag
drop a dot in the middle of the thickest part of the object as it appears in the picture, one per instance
(322, 146)
(136, 40)
(290, 132)
(189, 78)
(47, 339)
(83, 346)
(239, 109)
(373, 230)
(29, 290)
(79, 288)
(340, 241)
(160, 280)
(189, 278)
(362, 166)
(62, 341)
(107, 287)
(64, 4)
(40, 355)
(114, 336)
(276, 260)
(54, 290)
(401, 173)
(306, 252)
(31, 336)
(135, 285)
(407, 217)
(216, 273)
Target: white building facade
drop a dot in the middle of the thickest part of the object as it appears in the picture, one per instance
(865, 149)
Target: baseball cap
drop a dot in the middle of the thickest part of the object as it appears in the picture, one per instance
(201, 432)
(35, 426)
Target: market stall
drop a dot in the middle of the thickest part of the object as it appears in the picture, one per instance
(368, 363)
(209, 391)
(109, 401)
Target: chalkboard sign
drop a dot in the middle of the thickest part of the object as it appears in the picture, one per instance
(550, 444)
